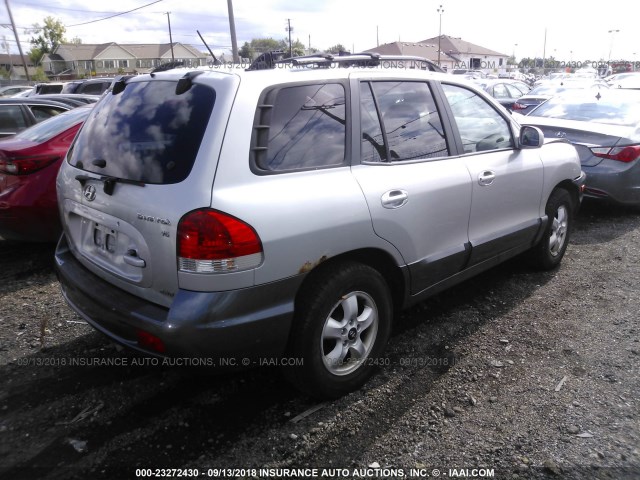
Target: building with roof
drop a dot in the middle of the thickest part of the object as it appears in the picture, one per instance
(69, 61)
(14, 67)
(455, 53)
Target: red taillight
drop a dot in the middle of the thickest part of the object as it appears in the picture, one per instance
(210, 241)
(150, 341)
(622, 154)
(25, 165)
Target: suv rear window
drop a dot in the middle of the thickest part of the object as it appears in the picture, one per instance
(146, 133)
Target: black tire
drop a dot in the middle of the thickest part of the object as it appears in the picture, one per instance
(548, 253)
(341, 327)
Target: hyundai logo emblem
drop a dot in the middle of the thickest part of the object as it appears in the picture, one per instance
(89, 192)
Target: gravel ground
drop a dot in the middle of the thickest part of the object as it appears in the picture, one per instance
(515, 373)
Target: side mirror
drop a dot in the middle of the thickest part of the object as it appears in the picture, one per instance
(531, 137)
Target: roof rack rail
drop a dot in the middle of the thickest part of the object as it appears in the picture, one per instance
(267, 60)
(343, 59)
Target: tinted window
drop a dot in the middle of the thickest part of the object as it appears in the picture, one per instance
(306, 128)
(96, 88)
(11, 119)
(145, 133)
(410, 128)
(43, 112)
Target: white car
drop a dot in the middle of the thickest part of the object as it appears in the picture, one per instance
(11, 90)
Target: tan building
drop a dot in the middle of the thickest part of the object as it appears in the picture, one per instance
(70, 61)
(455, 53)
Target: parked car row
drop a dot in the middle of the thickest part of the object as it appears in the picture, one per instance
(86, 86)
(17, 114)
(505, 91)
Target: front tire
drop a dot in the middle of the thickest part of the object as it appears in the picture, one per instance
(341, 327)
(548, 253)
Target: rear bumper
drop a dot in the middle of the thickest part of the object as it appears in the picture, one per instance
(223, 327)
(579, 183)
(614, 181)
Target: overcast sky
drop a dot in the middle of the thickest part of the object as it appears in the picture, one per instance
(574, 30)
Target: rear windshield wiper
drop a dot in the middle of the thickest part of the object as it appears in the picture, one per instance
(109, 182)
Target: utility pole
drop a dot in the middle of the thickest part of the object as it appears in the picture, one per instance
(15, 33)
(440, 11)
(544, 50)
(289, 29)
(170, 37)
(232, 28)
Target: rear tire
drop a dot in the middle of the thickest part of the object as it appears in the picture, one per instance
(548, 253)
(341, 327)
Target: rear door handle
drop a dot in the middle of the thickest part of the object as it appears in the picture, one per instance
(486, 178)
(394, 198)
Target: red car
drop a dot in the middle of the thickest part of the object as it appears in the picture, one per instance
(29, 163)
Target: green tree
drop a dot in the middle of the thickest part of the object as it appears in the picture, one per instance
(246, 51)
(297, 48)
(258, 46)
(336, 48)
(47, 38)
(39, 76)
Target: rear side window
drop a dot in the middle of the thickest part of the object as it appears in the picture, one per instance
(49, 128)
(11, 119)
(300, 127)
(400, 121)
(44, 112)
(146, 133)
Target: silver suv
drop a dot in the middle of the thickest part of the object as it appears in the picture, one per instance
(288, 212)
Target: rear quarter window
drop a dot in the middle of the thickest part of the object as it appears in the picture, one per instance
(300, 127)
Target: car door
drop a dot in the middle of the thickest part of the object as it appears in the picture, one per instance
(419, 195)
(507, 182)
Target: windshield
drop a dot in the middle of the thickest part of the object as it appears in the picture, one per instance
(146, 133)
(47, 129)
(616, 108)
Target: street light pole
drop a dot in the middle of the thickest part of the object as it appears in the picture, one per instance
(612, 32)
(440, 10)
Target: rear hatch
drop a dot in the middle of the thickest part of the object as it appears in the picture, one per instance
(146, 155)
